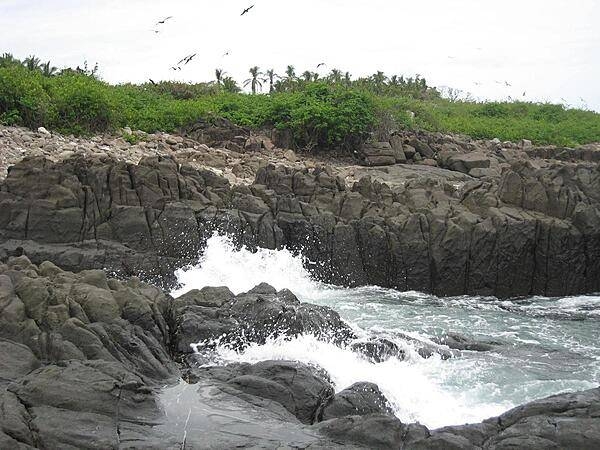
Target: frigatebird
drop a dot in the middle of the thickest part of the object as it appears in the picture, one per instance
(164, 20)
(247, 10)
(186, 59)
(321, 64)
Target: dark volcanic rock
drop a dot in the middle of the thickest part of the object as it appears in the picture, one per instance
(459, 342)
(530, 230)
(373, 431)
(300, 389)
(560, 421)
(358, 399)
(378, 350)
(251, 317)
(84, 360)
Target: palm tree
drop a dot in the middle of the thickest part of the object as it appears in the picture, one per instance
(254, 81)
(347, 79)
(378, 79)
(32, 63)
(307, 75)
(271, 75)
(335, 76)
(290, 76)
(7, 60)
(230, 85)
(315, 76)
(219, 74)
(48, 70)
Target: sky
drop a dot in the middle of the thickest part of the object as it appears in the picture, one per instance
(547, 50)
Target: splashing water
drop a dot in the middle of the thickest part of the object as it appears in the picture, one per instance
(240, 270)
(549, 345)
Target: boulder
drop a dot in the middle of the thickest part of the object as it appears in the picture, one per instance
(297, 387)
(357, 400)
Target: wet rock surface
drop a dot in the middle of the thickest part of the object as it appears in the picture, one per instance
(87, 361)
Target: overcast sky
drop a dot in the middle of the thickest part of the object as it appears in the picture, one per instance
(547, 49)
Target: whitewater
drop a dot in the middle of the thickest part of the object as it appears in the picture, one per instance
(548, 345)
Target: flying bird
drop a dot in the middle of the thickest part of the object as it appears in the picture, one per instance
(247, 10)
(189, 58)
(152, 81)
(321, 64)
(506, 83)
(160, 22)
(524, 94)
(175, 68)
(226, 53)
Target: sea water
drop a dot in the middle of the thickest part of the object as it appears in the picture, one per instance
(548, 345)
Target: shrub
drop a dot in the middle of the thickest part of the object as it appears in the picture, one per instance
(23, 100)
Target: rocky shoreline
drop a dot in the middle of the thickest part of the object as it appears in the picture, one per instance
(474, 218)
(90, 362)
(93, 356)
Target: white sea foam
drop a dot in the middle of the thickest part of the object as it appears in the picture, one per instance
(432, 391)
(414, 387)
(240, 270)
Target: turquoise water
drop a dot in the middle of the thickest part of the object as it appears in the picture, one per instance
(546, 346)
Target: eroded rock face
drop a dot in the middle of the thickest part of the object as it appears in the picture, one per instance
(251, 317)
(51, 316)
(84, 361)
(530, 231)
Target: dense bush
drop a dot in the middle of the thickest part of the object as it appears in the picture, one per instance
(81, 104)
(320, 114)
(23, 100)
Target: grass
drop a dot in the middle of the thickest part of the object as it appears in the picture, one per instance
(320, 115)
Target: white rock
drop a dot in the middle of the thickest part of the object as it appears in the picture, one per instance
(42, 130)
(290, 155)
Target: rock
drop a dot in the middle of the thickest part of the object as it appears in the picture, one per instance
(465, 162)
(377, 160)
(253, 144)
(357, 400)
(16, 360)
(479, 172)
(290, 155)
(43, 131)
(372, 431)
(460, 342)
(267, 144)
(422, 148)
(151, 218)
(560, 421)
(409, 151)
(378, 350)
(127, 131)
(429, 162)
(378, 154)
(295, 386)
(396, 144)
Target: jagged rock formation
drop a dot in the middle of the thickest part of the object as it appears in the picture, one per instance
(84, 361)
(526, 227)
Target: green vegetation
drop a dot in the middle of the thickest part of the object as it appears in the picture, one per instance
(334, 111)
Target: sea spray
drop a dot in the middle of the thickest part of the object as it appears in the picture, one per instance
(535, 356)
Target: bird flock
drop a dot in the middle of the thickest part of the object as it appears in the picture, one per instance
(188, 58)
